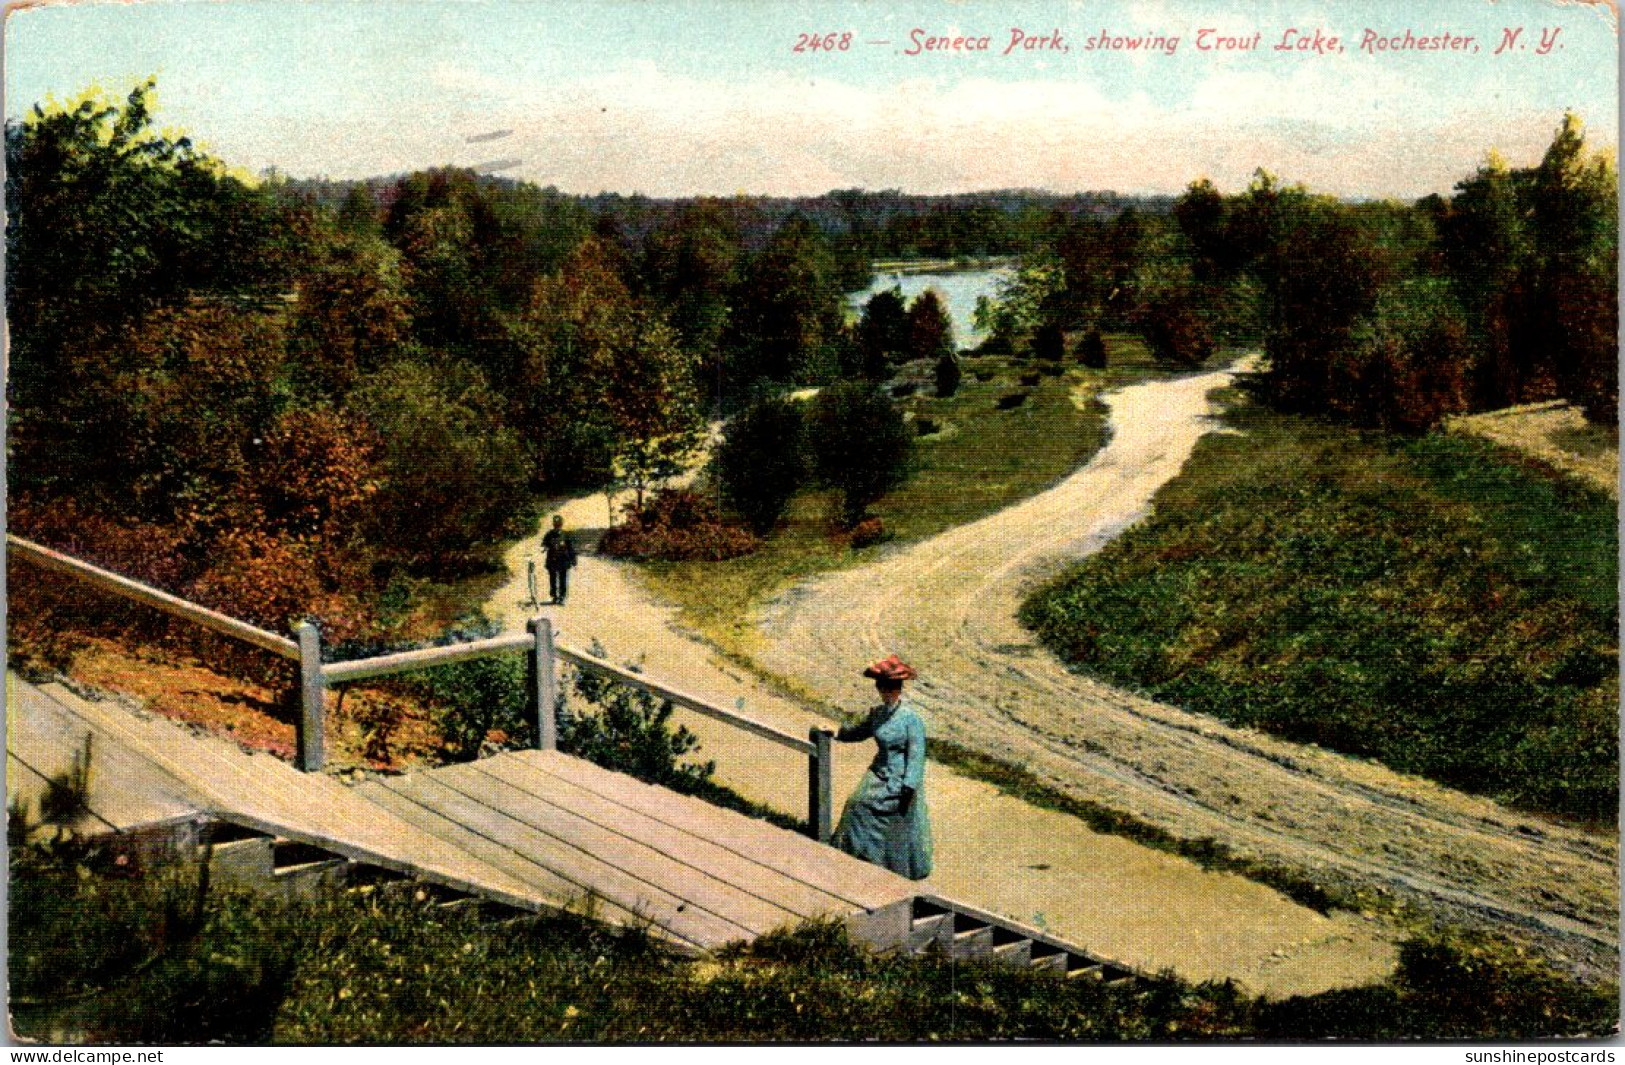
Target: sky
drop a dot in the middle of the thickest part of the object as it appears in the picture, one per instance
(702, 97)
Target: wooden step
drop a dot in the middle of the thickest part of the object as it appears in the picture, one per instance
(970, 937)
(1048, 958)
(924, 931)
(1011, 948)
(541, 858)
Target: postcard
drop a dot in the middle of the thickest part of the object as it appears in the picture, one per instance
(725, 521)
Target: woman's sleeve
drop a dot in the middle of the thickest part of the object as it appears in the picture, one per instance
(861, 731)
(914, 754)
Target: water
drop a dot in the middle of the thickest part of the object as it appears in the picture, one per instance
(957, 288)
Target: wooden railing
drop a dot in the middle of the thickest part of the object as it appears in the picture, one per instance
(542, 651)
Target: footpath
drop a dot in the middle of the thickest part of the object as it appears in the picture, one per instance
(1125, 901)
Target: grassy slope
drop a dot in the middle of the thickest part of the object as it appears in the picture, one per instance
(984, 459)
(1435, 603)
(115, 958)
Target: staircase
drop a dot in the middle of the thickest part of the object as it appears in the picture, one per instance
(952, 929)
(514, 835)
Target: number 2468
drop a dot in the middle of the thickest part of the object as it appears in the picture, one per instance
(827, 42)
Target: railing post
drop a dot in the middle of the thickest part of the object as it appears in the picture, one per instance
(312, 699)
(543, 686)
(819, 792)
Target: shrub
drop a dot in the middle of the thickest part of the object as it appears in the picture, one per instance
(861, 446)
(868, 532)
(1052, 369)
(630, 732)
(1092, 352)
(986, 375)
(1012, 400)
(1030, 380)
(761, 461)
(904, 389)
(926, 426)
(1176, 333)
(676, 525)
(1049, 342)
(948, 375)
(474, 699)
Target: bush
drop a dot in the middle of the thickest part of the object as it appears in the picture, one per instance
(986, 375)
(100, 948)
(480, 700)
(861, 446)
(630, 732)
(1176, 333)
(1092, 352)
(676, 525)
(868, 532)
(1012, 400)
(761, 461)
(948, 376)
(1052, 369)
(1049, 342)
(1030, 380)
(926, 426)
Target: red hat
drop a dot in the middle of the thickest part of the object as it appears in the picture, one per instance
(891, 668)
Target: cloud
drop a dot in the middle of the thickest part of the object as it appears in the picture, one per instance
(638, 127)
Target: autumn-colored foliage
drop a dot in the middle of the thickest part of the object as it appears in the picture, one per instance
(676, 525)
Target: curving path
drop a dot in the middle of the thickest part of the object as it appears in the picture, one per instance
(1123, 901)
(948, 605)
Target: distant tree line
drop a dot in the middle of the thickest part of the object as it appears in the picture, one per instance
(1378, 313)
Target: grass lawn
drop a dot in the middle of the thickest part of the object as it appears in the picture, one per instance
(102, 952)
(1436, 603)
(981, 460)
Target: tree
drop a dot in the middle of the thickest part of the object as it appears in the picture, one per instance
(605, 388)
(1487, 249)
(1023, 301)
(350, 317)
(1175, 332)
(788, 309)
(761, 461)
(653, 406)
(106, 221)
(930, 333)
(883, 333)
(693, 266)
(453, 475)
(861, 446)
(1575, 204)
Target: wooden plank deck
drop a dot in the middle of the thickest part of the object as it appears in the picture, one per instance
(267, 795)
(533, 829)
(124, 792)
(707, 875)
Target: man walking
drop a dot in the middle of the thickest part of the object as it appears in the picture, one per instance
(560, 558)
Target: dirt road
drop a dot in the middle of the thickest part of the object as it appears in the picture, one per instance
(1119, 899)
(948, 605)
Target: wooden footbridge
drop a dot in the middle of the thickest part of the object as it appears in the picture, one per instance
(521, 832)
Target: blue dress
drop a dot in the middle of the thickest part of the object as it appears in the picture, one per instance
(873, 826)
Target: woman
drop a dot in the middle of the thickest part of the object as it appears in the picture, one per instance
(885, 821)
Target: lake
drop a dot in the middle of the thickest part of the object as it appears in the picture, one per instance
(958, 289)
